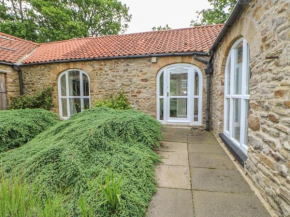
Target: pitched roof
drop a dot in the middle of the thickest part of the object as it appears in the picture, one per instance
(13, 49)
(194, 39)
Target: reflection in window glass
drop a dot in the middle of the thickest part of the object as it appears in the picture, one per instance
(161, 113)
(75, 106)
(195, 109)
(178, 108)
(228, 115)
(238, 69)
(237, 119)
(176, 84)
(161, 87)
(86, 89)
(87, 103)
(196, 84)
(228, 75)
(74, 83)
(63, 85)
(64, 107)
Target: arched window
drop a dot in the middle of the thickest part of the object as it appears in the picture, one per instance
(74, 92)
(237, 75)
(179, 94)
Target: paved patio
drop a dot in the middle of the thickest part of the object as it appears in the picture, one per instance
(198, 179)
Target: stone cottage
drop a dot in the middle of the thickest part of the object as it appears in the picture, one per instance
(232, 79)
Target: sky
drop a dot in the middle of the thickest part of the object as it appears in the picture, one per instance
(149, 13)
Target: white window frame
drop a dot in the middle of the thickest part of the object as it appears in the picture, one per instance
(81, 97)
(191, 95)
(244, 96)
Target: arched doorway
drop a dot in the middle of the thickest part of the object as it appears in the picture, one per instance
(179, 94)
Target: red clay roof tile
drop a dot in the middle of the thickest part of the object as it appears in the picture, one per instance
(195, 39)
(13, 49)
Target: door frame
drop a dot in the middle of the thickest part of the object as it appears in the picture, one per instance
(190, 104)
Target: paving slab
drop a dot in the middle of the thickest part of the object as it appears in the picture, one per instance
(173, 176)
(210, 161)
(219, 180)
(175, 135)
(207, 149)
(174, 158)
(172, 147)
(171, 202)
(217, 204)
(202, 138)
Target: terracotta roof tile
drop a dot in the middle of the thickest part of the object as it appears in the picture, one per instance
(195, 39)
(13, 49)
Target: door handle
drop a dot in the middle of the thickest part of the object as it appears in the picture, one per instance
(167, 93)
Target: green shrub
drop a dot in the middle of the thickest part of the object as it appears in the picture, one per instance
(20, 126)
(119, 102)
(17, 198)
(74, 155)
(42, 99)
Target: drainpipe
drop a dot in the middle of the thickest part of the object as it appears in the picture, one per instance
(16, 68)
(208, 72)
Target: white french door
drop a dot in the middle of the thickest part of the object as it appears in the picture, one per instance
(179, 95)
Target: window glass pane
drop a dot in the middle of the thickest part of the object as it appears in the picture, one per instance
(178, 108)
(161, 81)
(75, 106)
(74, 83)
(246, 117)
(195, 109)
(228, 114)
(63, 85)
(64, 108)
(237, 119)
(178, 84)
(248, 73)
(87, 103)
(161, 113)
(238, 69)
(228, 82)
(86, 89)
(196, 84)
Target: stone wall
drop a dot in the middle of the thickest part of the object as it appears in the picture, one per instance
(12, 82)
(265, 24)
(137, 77)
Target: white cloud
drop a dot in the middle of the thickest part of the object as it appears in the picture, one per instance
(149, 13)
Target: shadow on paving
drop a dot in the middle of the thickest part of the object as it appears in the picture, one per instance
(197, 178)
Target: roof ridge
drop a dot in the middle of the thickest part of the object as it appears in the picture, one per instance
(135, 33)
(20, 39)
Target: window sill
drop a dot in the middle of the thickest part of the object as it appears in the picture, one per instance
(238, 154)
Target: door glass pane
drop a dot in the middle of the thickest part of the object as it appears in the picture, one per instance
(87, 103)
(195, 109)
(228, 115)
(248, 72)
(86, 88)
(161, 87)
(161, 113)
(238, 69)
(63, 85)
(64, 108)
(228, 76)
(196, 84)
(178, 84)
(237, 119)
(75, 106)
(74, 83)
(178, 108)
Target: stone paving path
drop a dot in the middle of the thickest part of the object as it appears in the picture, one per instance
(198, 179)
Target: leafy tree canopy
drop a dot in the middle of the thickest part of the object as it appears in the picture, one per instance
(53, 20)
(219, 12)
(159, 28)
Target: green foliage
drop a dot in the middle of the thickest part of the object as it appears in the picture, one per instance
(119, 102)
(159, 28)
(42, 99)
(73, 156)
(42, 20)
(17, 198)
(20, 126)
(112, 190)
(218, 14)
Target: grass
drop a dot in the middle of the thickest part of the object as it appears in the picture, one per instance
(73, 157)
(20, 126)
